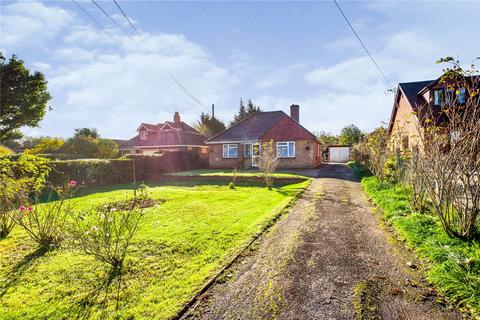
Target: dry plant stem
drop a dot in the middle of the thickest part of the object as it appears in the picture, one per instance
(449, 163)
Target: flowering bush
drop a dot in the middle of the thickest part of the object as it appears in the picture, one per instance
(44, 222)
(19, 175)
(106, 232)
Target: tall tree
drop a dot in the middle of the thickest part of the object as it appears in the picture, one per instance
(209, 126)
(350, 134)
(251, 109)
(106, 149)
(23, 98)
(327, 137)
(244, 112)
(89, 133)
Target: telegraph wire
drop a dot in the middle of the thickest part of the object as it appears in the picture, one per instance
(113, 20)
(178, 83)
(89, 15)
(363, 45)
(126, 17)
(186, 91)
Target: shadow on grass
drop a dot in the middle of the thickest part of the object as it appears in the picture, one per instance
(19, 269)
(113, 281)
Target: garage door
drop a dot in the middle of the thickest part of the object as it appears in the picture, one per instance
(339, 154)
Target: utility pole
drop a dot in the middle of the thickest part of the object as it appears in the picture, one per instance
(213, 111)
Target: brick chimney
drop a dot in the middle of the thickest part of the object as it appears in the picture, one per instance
(176, 119)
(295, 112)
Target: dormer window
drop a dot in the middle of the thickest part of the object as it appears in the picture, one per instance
(438, 97)
(143, 135)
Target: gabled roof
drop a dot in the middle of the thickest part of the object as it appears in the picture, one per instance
(257, 126)
(411, 90)
(163, 139)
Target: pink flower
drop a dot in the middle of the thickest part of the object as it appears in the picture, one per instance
(30, 208)
(22, 208)
(73, 183)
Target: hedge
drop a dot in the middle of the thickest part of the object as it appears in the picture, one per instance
(92, 172)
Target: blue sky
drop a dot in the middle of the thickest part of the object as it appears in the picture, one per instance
(276, 53)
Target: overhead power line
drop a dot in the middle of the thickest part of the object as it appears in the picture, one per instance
(127, 18)
(363, 45)
(89, 15)
(111, 19)
(187, 92)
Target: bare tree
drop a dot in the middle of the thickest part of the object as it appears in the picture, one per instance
(449, 161)
(268, 163)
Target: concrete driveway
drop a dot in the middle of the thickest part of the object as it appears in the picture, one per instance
(328, 258)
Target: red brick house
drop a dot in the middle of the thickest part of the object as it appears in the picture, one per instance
(296, 147)
(414, 103)
(167, 136)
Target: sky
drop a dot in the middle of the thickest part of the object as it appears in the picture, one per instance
(275, 53)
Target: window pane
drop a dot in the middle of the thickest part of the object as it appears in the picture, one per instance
(437, 97)
(248, 150)
(232, 151)
(461, 97)
(291, 149)
(225, 151)
(282, 150)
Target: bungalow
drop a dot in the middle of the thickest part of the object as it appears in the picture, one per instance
(414, 103)
(163, 137)
(241, 144)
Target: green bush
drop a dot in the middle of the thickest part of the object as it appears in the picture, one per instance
(92, 172)
(20, 175)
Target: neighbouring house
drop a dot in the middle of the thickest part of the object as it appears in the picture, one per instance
(414, 103)
(164, 137)
(241, 144)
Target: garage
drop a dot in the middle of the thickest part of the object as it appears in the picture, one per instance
(338, 153)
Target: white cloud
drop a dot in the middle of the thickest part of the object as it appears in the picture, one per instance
(29, 23)
(115, 90)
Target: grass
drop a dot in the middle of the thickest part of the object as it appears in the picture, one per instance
(181, 244)
(229, 172)
(453, 264)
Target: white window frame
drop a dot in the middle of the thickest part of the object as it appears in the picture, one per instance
(226, 150)
(286, 144)
(143, 135)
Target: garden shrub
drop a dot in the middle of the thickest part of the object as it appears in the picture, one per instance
(45, 222)
(20, 175)
(92, 172)
(106, 232)
(5, 150)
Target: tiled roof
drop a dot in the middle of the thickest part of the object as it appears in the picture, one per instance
(411, 90)
(258, 126)
(181, 135)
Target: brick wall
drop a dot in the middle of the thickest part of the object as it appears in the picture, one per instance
(405, 127)
(307, 155)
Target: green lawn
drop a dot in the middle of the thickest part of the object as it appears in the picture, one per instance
(182, 243)
(454, 265)
(229, 172)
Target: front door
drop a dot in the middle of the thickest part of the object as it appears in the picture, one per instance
(255, 154)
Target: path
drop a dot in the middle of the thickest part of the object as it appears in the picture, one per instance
(327, 259)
